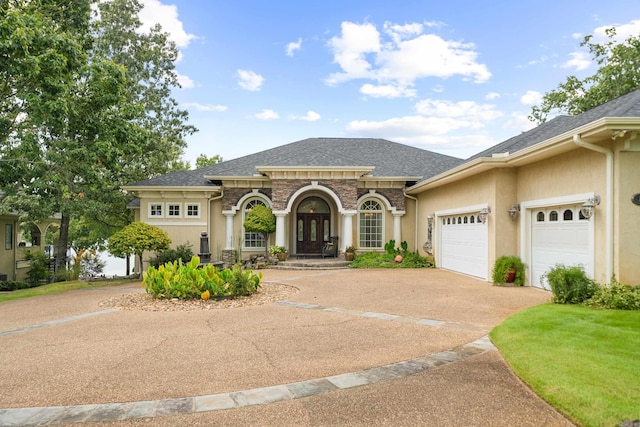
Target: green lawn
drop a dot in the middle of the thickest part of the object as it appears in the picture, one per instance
(583, 361)
(58, 287)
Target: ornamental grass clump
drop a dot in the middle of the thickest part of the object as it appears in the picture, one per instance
(190, 281)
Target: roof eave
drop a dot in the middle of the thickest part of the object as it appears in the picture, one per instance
(553, 146)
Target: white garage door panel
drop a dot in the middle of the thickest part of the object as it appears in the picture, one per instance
(464, 248)
(559, 242)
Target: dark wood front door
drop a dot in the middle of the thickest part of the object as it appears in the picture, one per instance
(312, 230)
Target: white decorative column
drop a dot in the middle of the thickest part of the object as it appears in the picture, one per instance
(347, 229)
(281, 234)
(397, 229)
(229, 231)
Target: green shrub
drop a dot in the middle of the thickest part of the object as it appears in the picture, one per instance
(188, 281)
(570, 284)
(38, 271)
(501, 269)
(387, 260)
(616, 296)
(181, 252)
(12, 285)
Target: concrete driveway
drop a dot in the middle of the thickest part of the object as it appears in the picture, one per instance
(350, 347)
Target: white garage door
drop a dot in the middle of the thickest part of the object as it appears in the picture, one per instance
(464, 245)
(559, 235)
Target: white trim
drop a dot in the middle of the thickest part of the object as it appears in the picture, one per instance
(464, 209)
(255, 193)
(186, 210)
(381, 202)
(168, 207)
(525, 224)
(177, 224)
(150, 204)
(293, 198)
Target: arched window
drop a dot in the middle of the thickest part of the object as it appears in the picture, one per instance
(472, 219)
(253, 240)
(553, 216)
(567, 215)
(371, 224)
(540, 216)
(459, 220)
(465, 220)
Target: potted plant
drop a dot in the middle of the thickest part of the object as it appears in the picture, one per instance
(278, 251)
(349, 253)
(508, 270)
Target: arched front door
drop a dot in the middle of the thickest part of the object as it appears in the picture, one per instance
(313, 226)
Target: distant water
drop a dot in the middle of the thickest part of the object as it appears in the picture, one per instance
(115, 266)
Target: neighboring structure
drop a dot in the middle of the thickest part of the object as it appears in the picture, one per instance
(565, 192)
(12, 263)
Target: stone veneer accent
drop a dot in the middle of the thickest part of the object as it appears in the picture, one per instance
(394, 195)
(345, 189)
(233, 195)
(229, 258)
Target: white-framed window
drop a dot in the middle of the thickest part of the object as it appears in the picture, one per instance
(370, 225)
(252, 240)
(193, 210)
(174, 210)
(155, 210)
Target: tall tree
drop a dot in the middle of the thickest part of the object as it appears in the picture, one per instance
(112, 119)
(618, 73)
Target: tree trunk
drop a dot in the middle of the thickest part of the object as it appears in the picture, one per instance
(63, 242)
(140, 272)
(128, 258)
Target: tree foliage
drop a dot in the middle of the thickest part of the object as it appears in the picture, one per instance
(260, 220)
(137, 238)
(618, 74)
(203, 160)
(85, 107)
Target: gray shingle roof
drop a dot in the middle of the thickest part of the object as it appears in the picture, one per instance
(388, 158)
(624, 106)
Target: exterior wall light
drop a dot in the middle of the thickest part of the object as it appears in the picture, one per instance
(484, 213)
(514, 210)
(588, 207)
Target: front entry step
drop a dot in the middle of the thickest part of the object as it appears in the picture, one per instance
(312, 264)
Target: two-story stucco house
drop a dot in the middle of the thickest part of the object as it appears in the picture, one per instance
(567, 191)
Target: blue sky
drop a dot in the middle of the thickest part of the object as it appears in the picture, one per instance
(454, 77)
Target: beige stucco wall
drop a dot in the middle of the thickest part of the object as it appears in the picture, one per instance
(7, 257)
(627, 224)
(576, 172)
(495, 188)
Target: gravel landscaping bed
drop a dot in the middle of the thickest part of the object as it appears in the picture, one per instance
(267, 293)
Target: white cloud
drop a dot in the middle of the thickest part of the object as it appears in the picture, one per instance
(491, 96)
(154, 12)
(519, 122)
(531, 98)
(311, 116)
(467, 110)
(387, 91)
(250, 80)
(349, 51)
(185, 81)
(205, 107)
(406, 55)
(623, 31)
(579, 61)
(293, 46)
(267, 115)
